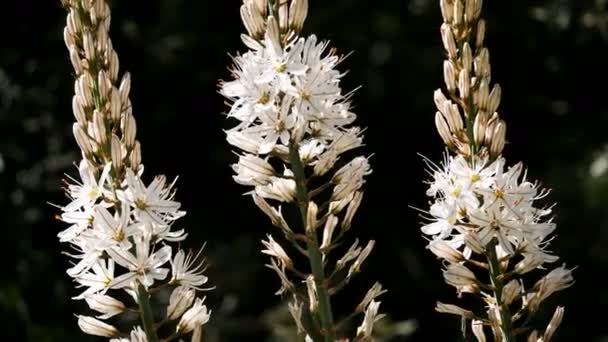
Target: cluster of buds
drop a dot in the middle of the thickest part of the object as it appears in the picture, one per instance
(291, 15)
(484, 217)
(293, 132)
(467, 77)
(120, 228)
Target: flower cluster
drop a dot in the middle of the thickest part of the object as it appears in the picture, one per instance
(294, 127)
(485, 216)
(120, 227)
(485, 211)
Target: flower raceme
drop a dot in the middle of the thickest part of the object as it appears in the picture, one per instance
(120, 227)
(485, 216)
(294, 125)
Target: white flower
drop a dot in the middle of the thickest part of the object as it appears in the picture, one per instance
(253, 170)
(181, 299)
(80, 220)
(97, 281)
(371, 316)
(153, 204)
(196, 316)
(93, 326)
(444, 220)
(144, 266)
(187, 270)
(87, 193)
(104, 304)
(117, 228)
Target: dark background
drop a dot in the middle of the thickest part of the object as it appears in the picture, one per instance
(549, 56)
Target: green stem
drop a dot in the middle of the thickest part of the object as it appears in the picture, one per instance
(505, 315)
(314, 252)
(146, 313)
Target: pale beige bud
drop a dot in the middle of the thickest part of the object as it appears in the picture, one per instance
(194, 317)
(311, 287)
(68, 38)
(356, 266)
(93, 15)
(533, 337)
(135, 156)
(477, 328)
(478, 6)
(275, 215)
(352, 253)
(78, 111)
(458, 12)
(440, 100)
(511, 292)
(479, 127)
(115, 105)
(459, 276)
(99, 127)
(482, 94)
(470, 10)
(472, 241)
(498, 139)
(275, 250)
(273, 33)
(482, 64)
(447, 10)
(253, 21)
(103, 84)
(449, 43)
(92, 326)
(82, 139)
(74, 22)
(481, 33)
(75, 59)
(116, 150)
(260, 6)
(113, 66)
(374, 292)
(467, 57)
(311, 218)
(351, 210)
(108, 306)
(101, 8)
(82, 88)
(102, 38)
(464, 83)
(529, 263)
(556, 320)
(283, 15)
(129, 130)
(491, 127)
(328, 231)
(444, 251)
(295, 308)
(453, 310)
(449, 75)
(88, 45)
(125, 88)
(452, 115)
(297, 14)
(443, 129)
(494, 99)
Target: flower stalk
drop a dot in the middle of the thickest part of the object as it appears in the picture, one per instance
(146, 313)
(315, 257)
(294, 127)
(485, 215)
(119, 225)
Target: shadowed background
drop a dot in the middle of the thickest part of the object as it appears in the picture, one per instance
(548, 57)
